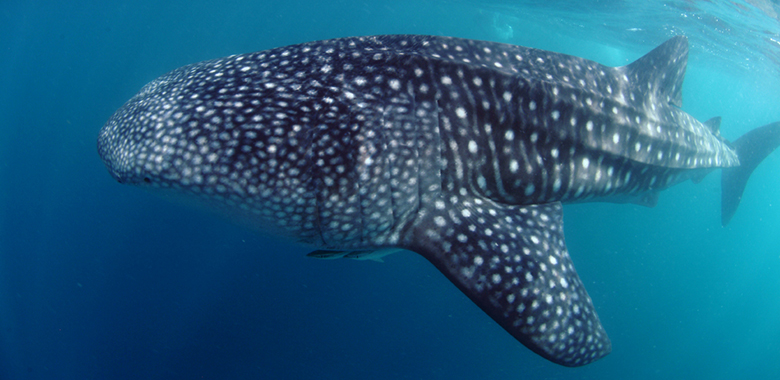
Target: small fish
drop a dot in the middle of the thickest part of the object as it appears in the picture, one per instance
(459, 150)
(374, 255)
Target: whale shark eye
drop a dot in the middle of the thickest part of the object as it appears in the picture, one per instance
(147, 180)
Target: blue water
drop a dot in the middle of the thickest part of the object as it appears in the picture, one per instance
(103, 281)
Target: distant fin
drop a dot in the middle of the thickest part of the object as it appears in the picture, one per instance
(752, 148)
(513, 263)
(649, 199)
(714, 125)
(662, 70)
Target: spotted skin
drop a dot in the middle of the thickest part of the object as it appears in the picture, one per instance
(459, 150)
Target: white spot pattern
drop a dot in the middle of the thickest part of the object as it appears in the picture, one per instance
(344, 143)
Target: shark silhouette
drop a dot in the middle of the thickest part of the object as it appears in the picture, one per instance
(462, 151)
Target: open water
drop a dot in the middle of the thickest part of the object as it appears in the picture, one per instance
(103, 281)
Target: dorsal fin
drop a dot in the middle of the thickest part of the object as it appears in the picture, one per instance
(662, 70)
(713, 125)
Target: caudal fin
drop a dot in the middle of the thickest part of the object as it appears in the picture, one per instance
(752, 148)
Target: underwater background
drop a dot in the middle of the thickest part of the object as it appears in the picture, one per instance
(103, 281)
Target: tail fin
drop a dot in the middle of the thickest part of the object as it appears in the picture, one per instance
(752, 148)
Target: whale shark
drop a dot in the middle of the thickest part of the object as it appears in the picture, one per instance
(462, 151)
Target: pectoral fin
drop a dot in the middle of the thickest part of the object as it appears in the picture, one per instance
(513, 263)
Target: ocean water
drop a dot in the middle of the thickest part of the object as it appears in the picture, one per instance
(103, 281)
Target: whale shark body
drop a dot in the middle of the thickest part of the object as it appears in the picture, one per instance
(462, 151)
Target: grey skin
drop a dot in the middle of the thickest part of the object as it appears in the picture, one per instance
(459, 150)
